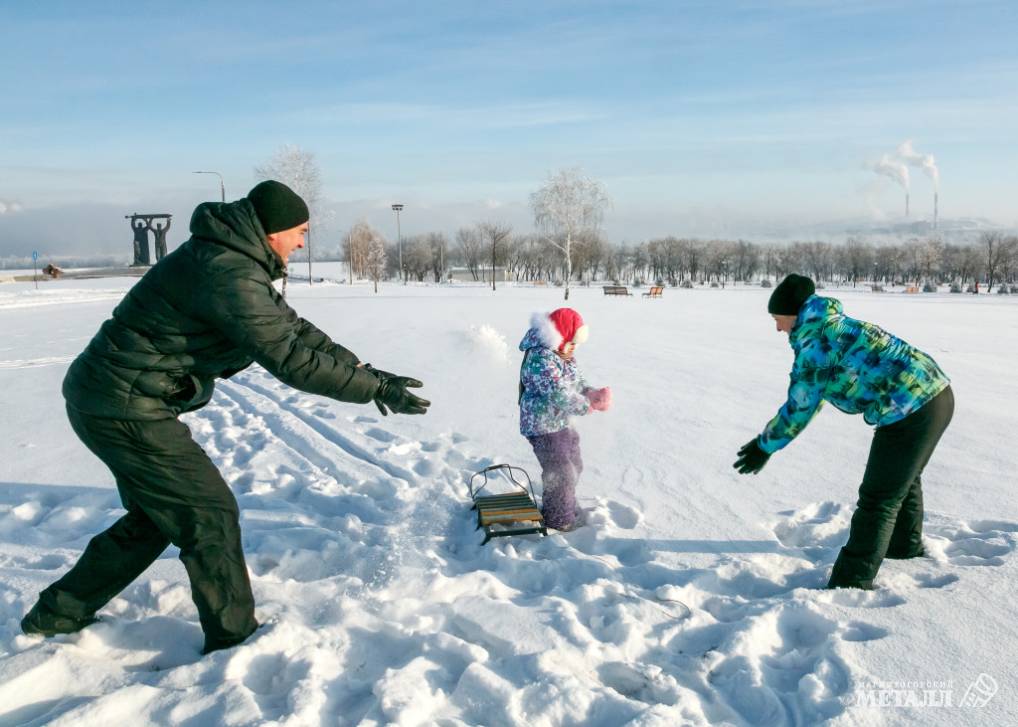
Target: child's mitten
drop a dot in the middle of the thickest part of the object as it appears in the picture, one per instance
(600, 399)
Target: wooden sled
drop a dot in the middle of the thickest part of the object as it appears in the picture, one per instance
(507, 513)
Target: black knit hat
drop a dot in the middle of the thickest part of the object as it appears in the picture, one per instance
(278, 207)
(791, 293)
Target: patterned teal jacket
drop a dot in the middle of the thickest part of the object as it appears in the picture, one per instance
(857, 366)
(551, 389)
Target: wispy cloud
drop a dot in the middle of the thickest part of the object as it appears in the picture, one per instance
(521, 114)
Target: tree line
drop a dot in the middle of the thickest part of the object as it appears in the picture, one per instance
(991, 260)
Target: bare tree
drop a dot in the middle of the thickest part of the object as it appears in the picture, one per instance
(439, 247)
(297, 169)
(416, 257)
(993, 242)
(855, 259)
(494, 235)
(569, 204)
(375, 260)
(469, 246)
(931, 255)
(1009, 258)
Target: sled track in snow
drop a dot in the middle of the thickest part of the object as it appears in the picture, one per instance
(242, 394)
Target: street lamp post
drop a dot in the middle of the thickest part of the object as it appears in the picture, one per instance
(222, 187)
(399, 237)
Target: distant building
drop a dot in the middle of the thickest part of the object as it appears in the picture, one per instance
(463, 275)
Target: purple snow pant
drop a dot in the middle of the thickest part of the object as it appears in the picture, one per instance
(561, 465)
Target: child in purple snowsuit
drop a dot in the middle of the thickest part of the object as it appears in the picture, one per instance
(552, 390)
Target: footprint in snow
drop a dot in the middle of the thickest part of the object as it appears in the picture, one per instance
(930, 580)
(642, 682)
(781, 656)
(380, 435)
(426, 468)
(860, 631)
(623, 516)
(979, 543)
(855, 598)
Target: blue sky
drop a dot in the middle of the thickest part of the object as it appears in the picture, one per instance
(699, 117)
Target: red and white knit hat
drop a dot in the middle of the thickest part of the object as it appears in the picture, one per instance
(560, 327)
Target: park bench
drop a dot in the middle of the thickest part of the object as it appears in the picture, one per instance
(506, 513)
(616, 290)
(654, 292)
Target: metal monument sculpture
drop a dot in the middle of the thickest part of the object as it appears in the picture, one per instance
(160, 234)
(142, 225)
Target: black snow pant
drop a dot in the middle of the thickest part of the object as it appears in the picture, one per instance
(173, 493)
(888, 521)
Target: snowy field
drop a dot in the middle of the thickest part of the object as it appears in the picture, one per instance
(693, 595)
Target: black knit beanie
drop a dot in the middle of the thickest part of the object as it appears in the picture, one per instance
(791, 293)
(278, 207)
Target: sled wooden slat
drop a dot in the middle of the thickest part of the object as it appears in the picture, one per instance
(520, 514)
(507, 513)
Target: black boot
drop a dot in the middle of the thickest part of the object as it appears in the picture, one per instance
(217, 644)
(41, 620)
(921, 553)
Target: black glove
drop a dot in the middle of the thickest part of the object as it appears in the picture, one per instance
(751, 458)
(392, 393)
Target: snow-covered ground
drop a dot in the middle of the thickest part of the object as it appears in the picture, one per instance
(693, 596)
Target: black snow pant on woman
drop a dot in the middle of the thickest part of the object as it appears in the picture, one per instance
(173, 493)
(888, 521)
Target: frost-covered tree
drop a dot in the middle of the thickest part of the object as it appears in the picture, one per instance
(356, 245)
(568, 205)
(375, 260)
(297, 169)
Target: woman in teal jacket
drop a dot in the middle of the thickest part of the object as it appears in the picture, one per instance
(860, 369)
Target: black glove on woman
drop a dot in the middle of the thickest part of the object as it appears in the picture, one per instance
(751, 458)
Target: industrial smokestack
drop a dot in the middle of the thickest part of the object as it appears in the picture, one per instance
(936, 202)
(906, 204)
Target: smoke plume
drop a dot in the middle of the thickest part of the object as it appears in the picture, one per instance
(893, 168)
(8, 207)
(926, 162)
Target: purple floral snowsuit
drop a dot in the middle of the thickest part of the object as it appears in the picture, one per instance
(551, 391)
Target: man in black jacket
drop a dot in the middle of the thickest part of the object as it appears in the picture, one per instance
(206, 311)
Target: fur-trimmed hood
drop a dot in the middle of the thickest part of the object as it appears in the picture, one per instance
(541, 334)
(544, 333)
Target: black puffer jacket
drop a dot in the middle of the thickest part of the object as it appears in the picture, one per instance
(207, 310)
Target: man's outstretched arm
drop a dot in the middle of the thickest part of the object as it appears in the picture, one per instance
(244, 310)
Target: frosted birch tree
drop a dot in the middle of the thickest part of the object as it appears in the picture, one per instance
(297, 169)
(569, 205)
(376, 260)
(356, 244)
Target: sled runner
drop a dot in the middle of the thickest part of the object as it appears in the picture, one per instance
(507, 513)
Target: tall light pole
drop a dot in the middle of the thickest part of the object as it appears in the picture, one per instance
(222, 187)
(399, 237)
